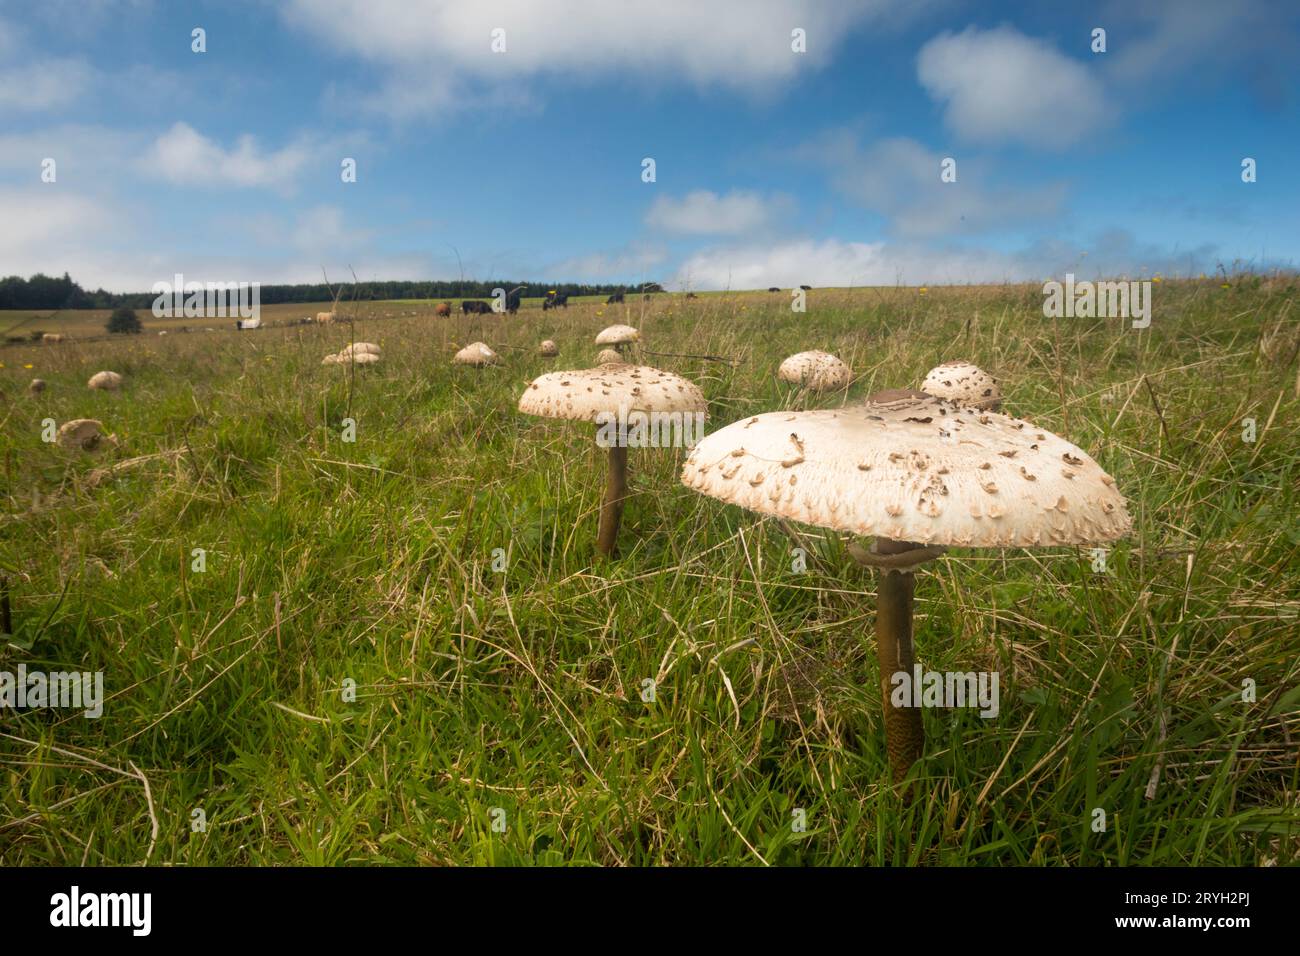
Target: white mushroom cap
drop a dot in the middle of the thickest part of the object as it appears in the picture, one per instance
(816, 370)
(361, 358)
(963, 383)
(477, 353)
(359, 347)
(106, 380)
(549, 349)
(913, 469)
(81, 434)
(618, 335)
(609, 357)
(609, 389)
(332, 360)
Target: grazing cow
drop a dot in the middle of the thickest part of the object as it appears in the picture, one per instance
(616, 297)
(546, 304)
(512, 301)
(806, 288)
(475, 306)
(775, 288)
(443, 310)
(555, 300)
(691, 295)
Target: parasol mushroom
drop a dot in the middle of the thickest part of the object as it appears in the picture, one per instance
(816, 371)
(920, 474)
(611, 394)
(965, 384)
(476, 353)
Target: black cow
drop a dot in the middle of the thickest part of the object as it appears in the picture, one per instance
(555, 300)
(546, 304)
(775, 288)
(475, 306)
(616, 297)
(512, 302)
(691, 295)
(806, 288)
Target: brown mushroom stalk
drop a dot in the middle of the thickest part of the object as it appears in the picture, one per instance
(611, 507)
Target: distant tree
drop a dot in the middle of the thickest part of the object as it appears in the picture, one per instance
(124, 321)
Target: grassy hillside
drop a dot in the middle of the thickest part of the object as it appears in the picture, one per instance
(521, 690)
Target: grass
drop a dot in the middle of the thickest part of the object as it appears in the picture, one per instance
(477, 692)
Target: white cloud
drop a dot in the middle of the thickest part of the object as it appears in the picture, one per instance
(1002, 86)
(836, 262)
(705, 213)
(48, 83)
(437, 55)
(899, 178)
(184, 156)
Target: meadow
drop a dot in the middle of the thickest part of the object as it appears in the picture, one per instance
(498, 714)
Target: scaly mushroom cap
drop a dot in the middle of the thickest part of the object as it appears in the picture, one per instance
(549, 349)
(609, 357)
(81, 434)
(913, 469)
(816, 370)
(963, 383)
(585, 394)
(618, 335)
(105, 380)
(477, 353)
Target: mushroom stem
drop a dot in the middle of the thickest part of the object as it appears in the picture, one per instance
(904, 732)
(611, 509)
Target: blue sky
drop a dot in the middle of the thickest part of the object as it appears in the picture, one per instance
(772, 167)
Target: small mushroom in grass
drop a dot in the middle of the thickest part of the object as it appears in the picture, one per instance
(37, 385)
(609, 357)
(620, 400)
(965, 384)
(619, 336)
(816, 371)
(109, 381)
(478, 354)
(549, 349)
(920, 474)
(83, 434)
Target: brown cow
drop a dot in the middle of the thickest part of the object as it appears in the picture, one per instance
(443, 310)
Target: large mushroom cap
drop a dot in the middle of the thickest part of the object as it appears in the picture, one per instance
(963, 383)
(609, 389)
(81, 434)
(816, 370)
(361, 358)
(105, 380)
(549, 349)
(477, 353)
(913, 469)
(356, 348)
(618, 335)
(609, 357)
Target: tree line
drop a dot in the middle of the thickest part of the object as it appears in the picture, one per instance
(46, 292)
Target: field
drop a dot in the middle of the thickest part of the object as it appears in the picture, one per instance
(1150, 711)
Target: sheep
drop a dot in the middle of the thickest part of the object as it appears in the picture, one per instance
(51, 338)
(324, 318)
